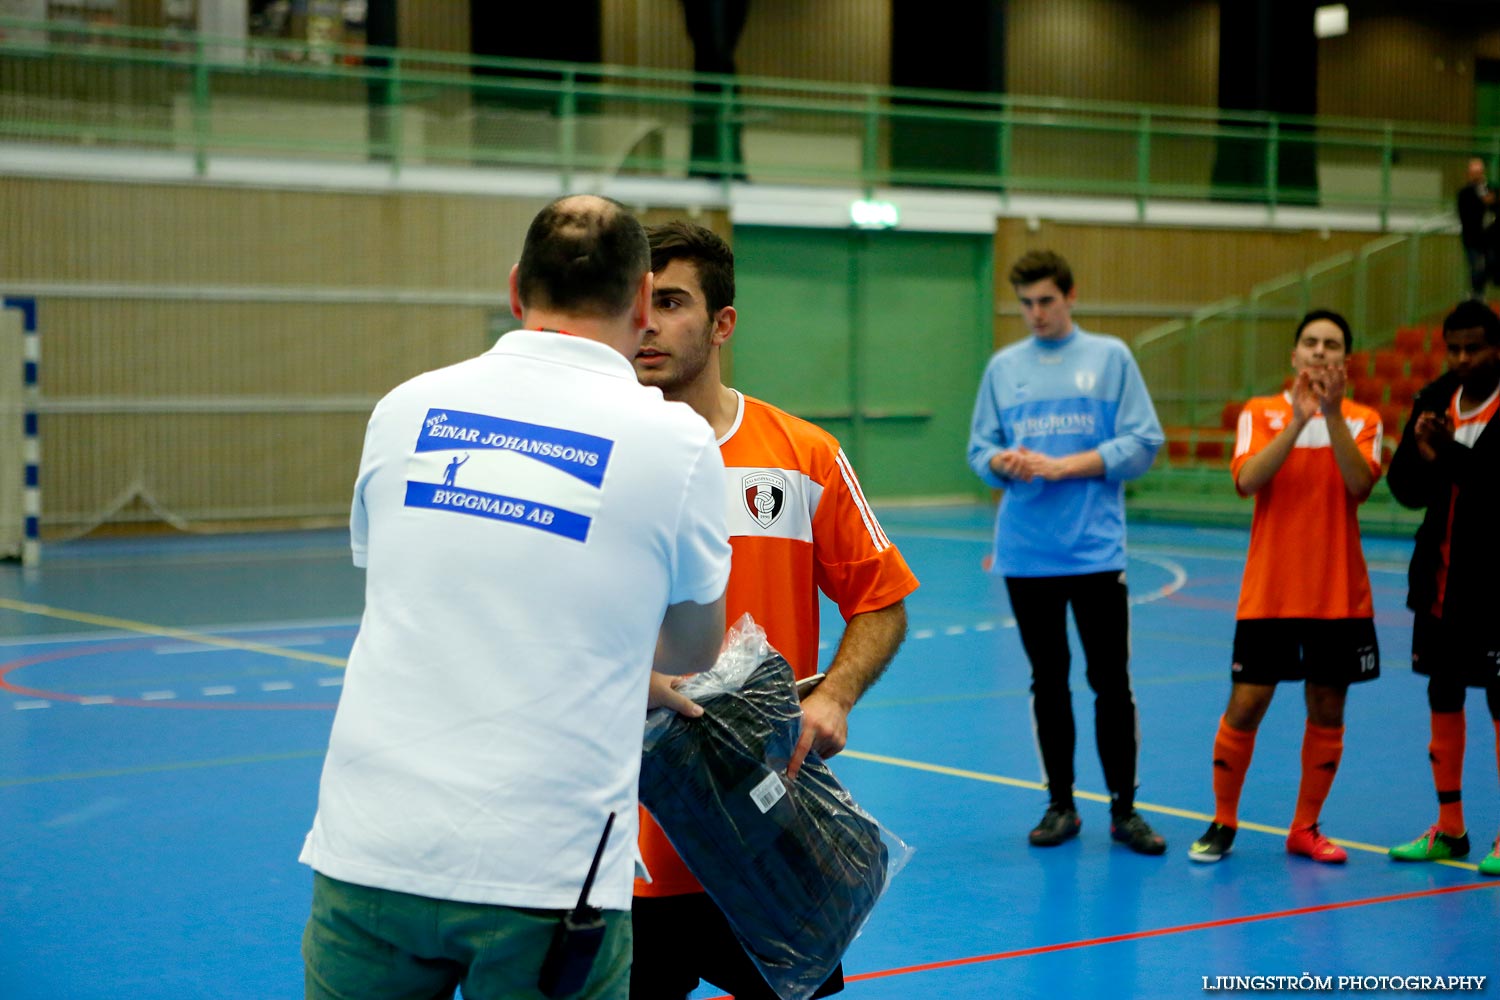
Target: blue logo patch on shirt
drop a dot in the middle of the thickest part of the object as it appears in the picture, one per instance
(440, 476)
(583, 456)
(499, 508)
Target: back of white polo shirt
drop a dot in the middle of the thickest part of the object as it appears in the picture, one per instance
(525, 518)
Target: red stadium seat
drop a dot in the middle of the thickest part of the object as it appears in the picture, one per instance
(1229, 416)
(1390, 364)
(1213, 450)
(1359, 364)
(1411, 340)
(1404, 390)
(1370, 391)
(1392, 419)
(1426, 367)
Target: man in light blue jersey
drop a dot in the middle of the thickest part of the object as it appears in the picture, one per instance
(1062, 421)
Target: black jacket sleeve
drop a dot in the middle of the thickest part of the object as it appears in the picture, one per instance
(1412, 480)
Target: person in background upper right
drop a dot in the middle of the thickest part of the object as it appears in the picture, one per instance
(1475, 203)
(1449, 462)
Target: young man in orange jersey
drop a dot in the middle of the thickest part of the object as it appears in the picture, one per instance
(1449, 463)
(798, 523)
(1310, 457)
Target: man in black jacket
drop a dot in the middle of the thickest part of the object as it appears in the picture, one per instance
(1475, 200)
(1449, 462)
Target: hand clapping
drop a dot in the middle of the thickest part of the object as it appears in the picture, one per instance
(1306, 397)
(1431, 429)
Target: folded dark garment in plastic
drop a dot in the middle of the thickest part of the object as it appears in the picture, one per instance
(795, 865)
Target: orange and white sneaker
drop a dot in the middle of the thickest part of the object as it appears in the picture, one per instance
(1309, 842)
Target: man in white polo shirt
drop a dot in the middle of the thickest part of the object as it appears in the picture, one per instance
(492, 711)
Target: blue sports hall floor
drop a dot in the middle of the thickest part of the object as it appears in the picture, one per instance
(165, 705)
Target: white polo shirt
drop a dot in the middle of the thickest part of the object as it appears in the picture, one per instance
(525, 518)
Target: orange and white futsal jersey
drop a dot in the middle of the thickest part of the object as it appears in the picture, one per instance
(798, 523)
(1467, 426)
(1305, 559)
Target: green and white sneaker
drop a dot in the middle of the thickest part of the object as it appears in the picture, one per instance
(1491, 863)
(1435, 845)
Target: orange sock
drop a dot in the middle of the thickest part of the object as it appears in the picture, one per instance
(1321, 749)
(1232, 751)
(1446, 751)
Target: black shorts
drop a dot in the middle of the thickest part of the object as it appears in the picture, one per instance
(682, 939)
(1335, 652)
(1459, 659)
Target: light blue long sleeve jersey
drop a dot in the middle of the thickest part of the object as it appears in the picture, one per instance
(1081, 393)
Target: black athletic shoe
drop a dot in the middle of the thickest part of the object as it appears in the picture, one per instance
(1216, 842)
(1136, 834)
(1057, 825)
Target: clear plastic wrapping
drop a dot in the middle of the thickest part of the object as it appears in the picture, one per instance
(796, 865)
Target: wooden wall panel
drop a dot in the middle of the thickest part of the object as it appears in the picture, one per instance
(1405, 67)
(79, 231)
(1165, 52)
(434, 25)
(1139, 267)
(847, 41)
(647, 33)
(162, 351)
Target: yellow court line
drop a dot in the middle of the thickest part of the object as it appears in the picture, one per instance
(186, 765)
(995, 779)
(166, 632)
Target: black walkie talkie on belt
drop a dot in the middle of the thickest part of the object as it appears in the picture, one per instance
(576, 941)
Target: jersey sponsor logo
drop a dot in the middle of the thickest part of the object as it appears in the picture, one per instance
(764, 494)
(527, 513)
(1085, 380)
(1276, 419)
(1048, 424)
(529, 475)
(1058, 425)
(583, 456)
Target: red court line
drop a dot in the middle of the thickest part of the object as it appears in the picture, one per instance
(1159, 932)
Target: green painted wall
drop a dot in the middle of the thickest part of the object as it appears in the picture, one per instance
(879, 337)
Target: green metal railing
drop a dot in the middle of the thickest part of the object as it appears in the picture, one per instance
(1239, 347)
(1231, 350)
(110, 86)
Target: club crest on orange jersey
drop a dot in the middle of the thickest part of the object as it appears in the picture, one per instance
(764, 495)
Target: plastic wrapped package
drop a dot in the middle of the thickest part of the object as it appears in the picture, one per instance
(795, 865)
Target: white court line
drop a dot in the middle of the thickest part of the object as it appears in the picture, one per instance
(97, 699)
(330, 682)
(24, 706)
(1178, 581)
(276, 686)
(214, 690)
(158, 695)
